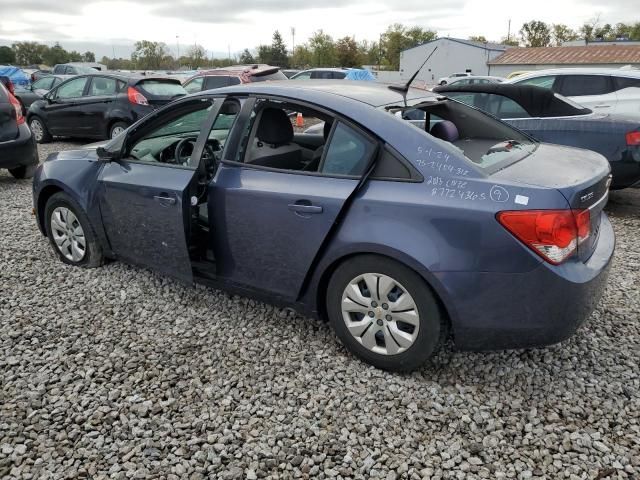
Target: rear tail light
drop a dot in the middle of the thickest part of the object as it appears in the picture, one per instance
(552, 234)
(633, 139)
(11, 87)
(136, 97)
(17, 106)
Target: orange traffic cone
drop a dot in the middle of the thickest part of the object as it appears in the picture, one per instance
(299, 120)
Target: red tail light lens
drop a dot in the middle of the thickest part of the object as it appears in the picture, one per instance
(633, 139)
(552, 234)
(136, 97)
(17, 106)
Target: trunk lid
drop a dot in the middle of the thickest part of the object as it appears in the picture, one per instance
(160, 91)
(581, 176)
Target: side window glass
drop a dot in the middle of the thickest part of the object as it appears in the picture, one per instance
(581, 85)
(161, 144)
(56, 81)
(72, 89)
(544, 82)
(102, 86)
(626, 82)
(234, 81)
(194, 85)
(303, 76)
(349, 152)
(216, 81)
(339, 75)
(508, 108)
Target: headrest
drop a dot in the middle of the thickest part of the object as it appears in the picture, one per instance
(275, 127)
(446, 131)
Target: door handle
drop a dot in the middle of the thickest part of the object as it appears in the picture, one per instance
(304, 207)
(602, 106)
(164, 199)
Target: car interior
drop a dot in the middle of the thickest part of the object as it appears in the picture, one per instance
(482, 139)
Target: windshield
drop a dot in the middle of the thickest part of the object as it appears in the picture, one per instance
(485, 141)
(163, 88)
(272, 76)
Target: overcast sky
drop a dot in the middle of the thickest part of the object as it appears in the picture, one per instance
(218, 25)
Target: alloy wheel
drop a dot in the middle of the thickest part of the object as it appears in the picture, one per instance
(380, 313)
(37, 129)
(68, 234)
(116, 131)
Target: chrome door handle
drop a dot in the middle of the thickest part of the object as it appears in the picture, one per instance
(305, 208)
(165, 200)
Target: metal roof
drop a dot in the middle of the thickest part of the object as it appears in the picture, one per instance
(584, 55)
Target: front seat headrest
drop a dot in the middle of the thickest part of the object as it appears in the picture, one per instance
(446, 131)
(275, 127)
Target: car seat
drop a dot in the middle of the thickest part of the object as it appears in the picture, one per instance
(274, 146)
(445, 130)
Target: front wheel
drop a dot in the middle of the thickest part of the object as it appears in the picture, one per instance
(39, 130)
(384, 313)
(117, 128)
(443, 83)
(70, 232)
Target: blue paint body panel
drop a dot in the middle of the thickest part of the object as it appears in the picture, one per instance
(497, 293)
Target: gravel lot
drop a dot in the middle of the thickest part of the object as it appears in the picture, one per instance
(119, 373)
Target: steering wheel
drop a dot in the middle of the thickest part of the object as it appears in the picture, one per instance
(181, 159)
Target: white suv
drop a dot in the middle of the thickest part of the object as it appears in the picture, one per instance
(444, 80)
(614, 91)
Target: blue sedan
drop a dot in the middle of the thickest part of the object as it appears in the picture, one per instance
(400, 236)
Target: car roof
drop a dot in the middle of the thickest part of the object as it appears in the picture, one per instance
(618, 72)
(371, 93)
(250, 69)
(537, 101)
(327, 69)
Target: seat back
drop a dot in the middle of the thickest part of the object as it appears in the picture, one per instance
(273, 145)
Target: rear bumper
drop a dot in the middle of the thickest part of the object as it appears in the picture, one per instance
(495, 311)
(19, 152)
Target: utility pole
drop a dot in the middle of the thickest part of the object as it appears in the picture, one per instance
(509, 31)
(178, 44)
(293, 40)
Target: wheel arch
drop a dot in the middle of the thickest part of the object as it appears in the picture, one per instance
(112, 121)
(43, 197)
(329, 266)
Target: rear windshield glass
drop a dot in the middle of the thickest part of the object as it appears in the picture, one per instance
(271, 76)
(486, 142)
(162, 88)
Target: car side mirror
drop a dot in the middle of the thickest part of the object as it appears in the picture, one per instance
(106, 155)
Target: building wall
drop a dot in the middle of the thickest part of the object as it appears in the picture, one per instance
(451, 57)
(504, 70)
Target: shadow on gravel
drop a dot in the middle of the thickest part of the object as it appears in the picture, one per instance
(624, 203)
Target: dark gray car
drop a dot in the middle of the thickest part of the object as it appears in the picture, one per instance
(26, 96)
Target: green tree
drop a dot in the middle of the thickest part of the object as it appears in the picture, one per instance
(54, 55)
(29, 53)
(196, 56)
(323, 50)
(7, 55)
(397, 38)
(302, 57)
(478, 38)
(88, 57)
(265, 54)
(562, 33)
(279, 56)
(246, 57)
(150, 55)
(510, 42)
(348, 53)
(536, 34)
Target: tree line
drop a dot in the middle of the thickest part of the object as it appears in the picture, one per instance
(320, 50)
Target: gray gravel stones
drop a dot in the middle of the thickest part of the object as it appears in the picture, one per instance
(120, 373)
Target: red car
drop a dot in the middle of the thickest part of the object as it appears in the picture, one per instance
(233, 75)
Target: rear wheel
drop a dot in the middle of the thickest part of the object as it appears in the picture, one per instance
(70, 232)
(384, 313)
(39, 131)
(117, 128)
(26, 171)
(443, 83)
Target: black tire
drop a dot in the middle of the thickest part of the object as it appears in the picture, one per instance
(46, 136)
(432, 325)
(443, 83)
(25, 171)
(115, 126)
(93, 256)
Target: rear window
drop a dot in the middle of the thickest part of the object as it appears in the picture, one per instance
(626, 82)
(271, 76)
(162, 88)
(543, 82)
(486, 142)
